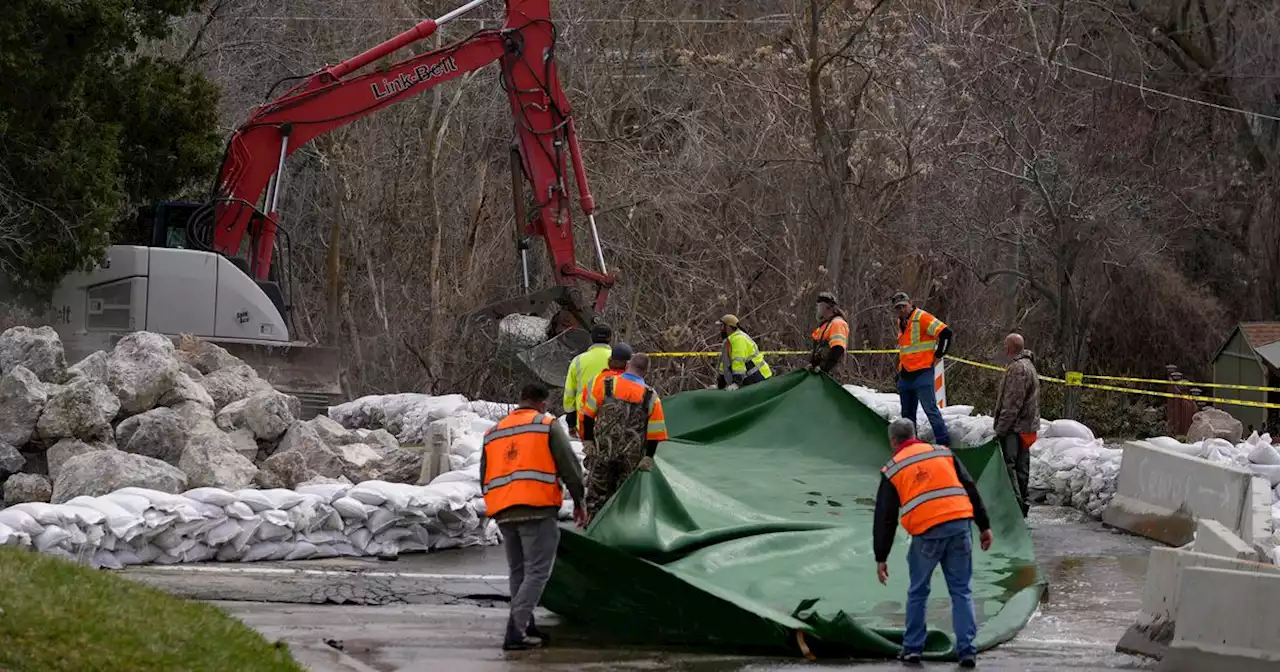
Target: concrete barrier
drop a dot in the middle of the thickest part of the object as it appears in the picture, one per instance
(1160, 494)
(1257, 527)
(1161, 595)
(1214, 538)
(1227, 620)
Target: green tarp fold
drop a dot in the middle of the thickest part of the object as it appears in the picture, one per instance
(755, 525)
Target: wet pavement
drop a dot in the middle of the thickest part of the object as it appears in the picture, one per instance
(1095, 587)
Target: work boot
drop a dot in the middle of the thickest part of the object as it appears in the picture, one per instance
(523, 644)
(909, 658)
(533, 631)
(968, 663)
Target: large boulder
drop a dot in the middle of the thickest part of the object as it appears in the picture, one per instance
(103, 472)
(290, 468)
(187, 390)
(244, 442)
(64, 450)
(229, 385)
(24, 488)
(399, 465)
(331, 431)
(160, 433)
(94, 367)
(379, 438)
(141, 370)
(211, 461)
(197, 417)
(39, 350)
(22, 398)
(360, 462)
(1214, 423)
(82, 409)
(267, 414)
(11, 460)
(205, 357)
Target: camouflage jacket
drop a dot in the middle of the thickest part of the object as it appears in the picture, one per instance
(1018, 407)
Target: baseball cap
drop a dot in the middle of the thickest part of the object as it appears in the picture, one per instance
(601, 333)
(729, 320)
(621, 352)
(901, 299)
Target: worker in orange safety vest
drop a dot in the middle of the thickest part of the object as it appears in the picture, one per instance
(830, 339)
(938, 501)
(922, 340)
(524, 460)
(623, 423)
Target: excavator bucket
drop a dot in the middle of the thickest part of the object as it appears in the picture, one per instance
(523, 329)
(550, 360)
(308, 372)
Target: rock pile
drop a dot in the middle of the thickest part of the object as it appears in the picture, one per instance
(154, 437)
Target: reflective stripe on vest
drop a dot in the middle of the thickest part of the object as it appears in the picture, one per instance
(519, 467)
(928, 487)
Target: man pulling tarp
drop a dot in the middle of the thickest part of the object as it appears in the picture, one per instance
(622, 425)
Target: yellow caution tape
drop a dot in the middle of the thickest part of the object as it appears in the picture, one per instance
(1073, 378)
(1185, 383)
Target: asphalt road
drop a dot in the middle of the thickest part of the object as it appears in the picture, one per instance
(444, 611)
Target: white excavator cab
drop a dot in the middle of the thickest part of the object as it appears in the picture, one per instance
(172, 287)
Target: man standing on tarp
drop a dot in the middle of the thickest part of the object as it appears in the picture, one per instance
(583, 371)
(938, 501)
(741, 363)
(830, 339)
(525, 458)
(622, 425)
(1017, 418)
(922, 340)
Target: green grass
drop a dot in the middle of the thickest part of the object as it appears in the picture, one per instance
(59, 616)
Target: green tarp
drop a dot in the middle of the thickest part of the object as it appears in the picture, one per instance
(755, 525)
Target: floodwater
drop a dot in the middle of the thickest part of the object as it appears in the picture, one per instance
(1095, 587)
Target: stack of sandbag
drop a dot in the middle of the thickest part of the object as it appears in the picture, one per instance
(1071, 467)
(966, 429)
(136, 526)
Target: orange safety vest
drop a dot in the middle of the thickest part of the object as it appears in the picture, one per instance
(928, 487)
(827, 335)
(918, 341)
(591, 385)
(519, 468)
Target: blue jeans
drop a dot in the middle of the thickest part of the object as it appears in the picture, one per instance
(948, 544)
(917, 388)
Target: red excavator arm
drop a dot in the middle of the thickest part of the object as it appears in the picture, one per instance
(545, 136)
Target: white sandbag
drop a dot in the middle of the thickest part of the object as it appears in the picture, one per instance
(1069, 428)
(45, 514)
(272, 532)
(1270, 471)
(122, 523)
(352, 509)
(329, 492)
(360, 538)
(223, 533)
(458, 492)
(12, 537)
(957, 410)
(248, 530)
(467, 475)
(257, 500)
(178, 505)
(1264, 453)
(268, 550)
(106, 560)
(322, 537)
(1172, 444)
(467, 445)
(214, 496)
(240, 511)
(302, 551)
(372, 496)
(380, 520)
(52, 536)
(20, 521)
(199, 553)
(282, 499)
(275, 517)
(230, 553)
(308, 514)
(132, 503)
